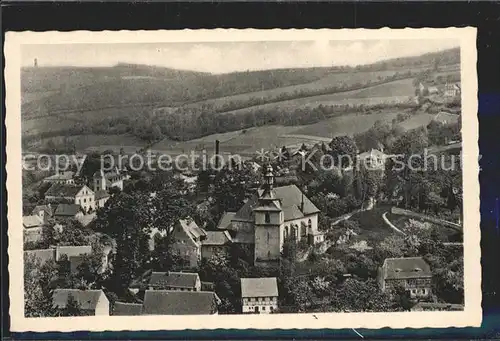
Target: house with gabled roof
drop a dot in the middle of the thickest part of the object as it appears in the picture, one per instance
(259, 295)
(188, 237)
(411, 273)
(171, 302)
(79, 195)
(91, 302)
(44, 211)
(68, 211)
(62, 177)
(216, 242)
(182, 281)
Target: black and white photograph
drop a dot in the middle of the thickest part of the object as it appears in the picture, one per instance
(287, 177)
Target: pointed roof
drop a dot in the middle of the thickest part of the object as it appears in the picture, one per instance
(87, 299)
(191, 228)
(409, 267)
(288, 196)
(185, 280)
(259, 287)
(64, 190)
(30, 221)
(225, 220)
(217, 238)
(46, 208)
(67, 210)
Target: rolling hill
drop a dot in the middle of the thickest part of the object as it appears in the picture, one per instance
(124, 99)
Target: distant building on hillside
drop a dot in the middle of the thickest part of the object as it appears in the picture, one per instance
(452, 90)
(106, 180)
(372, 160)
(259, 295)
(63, 178)
(411, 273)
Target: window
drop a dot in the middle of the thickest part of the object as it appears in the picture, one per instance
(84, 200)
(268, 236)
(263, 308)
(267, 218)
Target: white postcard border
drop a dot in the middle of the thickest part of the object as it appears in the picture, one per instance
(470, 317)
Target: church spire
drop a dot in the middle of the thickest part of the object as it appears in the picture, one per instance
(269, 178)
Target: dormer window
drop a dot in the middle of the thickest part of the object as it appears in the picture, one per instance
(417, 269)
(397, 270)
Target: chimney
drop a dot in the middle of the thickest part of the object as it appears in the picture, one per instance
(217, 154)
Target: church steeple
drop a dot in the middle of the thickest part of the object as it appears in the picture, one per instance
(269, 178)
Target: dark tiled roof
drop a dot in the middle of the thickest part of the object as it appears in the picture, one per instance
(169, 302)
(225, 221)
(288, 195)
(101, 194)
(87, 299)
(63, 190)
(259, 287)
(401, 268)
(67, 210)
(217, 238)
(244, 238)
(173, 279)
(48, 209)
(127, 309)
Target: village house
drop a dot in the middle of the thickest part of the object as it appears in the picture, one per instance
(182, 281)
(372, 160)
(188, 237)
(62, 177)
(92, 302)
(56, 253)
(33, 226)
(215, 242)
(68, 211)
(174, 302)
(106, 180)
(411, 273)
(79, 195)
(259, 295)
(452, 90)
(271, 216)
(43, 211)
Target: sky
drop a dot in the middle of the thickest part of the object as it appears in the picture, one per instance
(224, 57)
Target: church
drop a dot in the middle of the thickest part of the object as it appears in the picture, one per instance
(271, 216)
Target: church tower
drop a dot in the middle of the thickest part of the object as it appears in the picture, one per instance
(99, 181)
(268, 222)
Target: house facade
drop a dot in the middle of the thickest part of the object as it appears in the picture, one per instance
(411, 273)
(259, 295)
(188, 238)
(452, 90)
(78, 195)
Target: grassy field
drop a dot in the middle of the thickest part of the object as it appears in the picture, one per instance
(445, 234)
(329, 80)
(345, 125)
(423, 119)
(392, 92)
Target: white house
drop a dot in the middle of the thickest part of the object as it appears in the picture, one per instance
(259, 295)
(78, 195)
